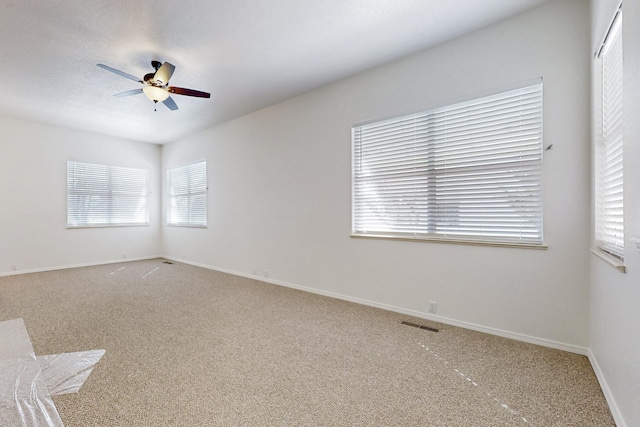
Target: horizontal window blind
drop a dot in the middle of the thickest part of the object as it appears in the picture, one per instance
(101, 195)
(469, 171)
(187, 195)
(610, 223)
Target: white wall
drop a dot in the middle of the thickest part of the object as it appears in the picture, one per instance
(615, 313)
(279, 187)
(33, 189)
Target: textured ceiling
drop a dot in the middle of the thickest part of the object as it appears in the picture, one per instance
(248, 54)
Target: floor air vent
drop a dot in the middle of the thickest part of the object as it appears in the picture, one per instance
(415, 325)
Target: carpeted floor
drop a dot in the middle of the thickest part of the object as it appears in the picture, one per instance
(186, 346)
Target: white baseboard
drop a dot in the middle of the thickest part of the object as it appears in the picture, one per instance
(615, 411)
(64, 267)
(428, 316)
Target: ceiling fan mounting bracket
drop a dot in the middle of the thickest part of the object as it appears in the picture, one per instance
(156, 64)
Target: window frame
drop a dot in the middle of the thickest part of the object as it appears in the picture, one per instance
(609, 224)
(461, 238)
(190, 195)
(108, 190)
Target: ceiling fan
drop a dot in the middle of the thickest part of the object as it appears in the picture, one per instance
(156, 85)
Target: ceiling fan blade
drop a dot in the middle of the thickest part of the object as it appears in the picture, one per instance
(120, 73)
(188, 92)
(129, 92)
(170, 103)
(164, 73)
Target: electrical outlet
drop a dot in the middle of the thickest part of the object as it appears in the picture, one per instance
(14, 267)
(266, 273)
(255, 271)
(433, 307)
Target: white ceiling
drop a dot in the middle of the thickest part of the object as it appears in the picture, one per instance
(247, 53)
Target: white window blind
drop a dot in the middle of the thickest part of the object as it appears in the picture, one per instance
(187, 195)
(468, 172)
(101, 195)
(610, 215)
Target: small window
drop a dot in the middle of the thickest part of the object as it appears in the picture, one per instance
(106, 196)
(609, 211)
(187, 195)
(469, 172)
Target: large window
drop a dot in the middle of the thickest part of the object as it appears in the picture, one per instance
(101, 195)
(187, 195)
(609, 170)
(468, 172)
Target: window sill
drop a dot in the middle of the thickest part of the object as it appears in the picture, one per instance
(187, 226)
(455, 242)
(619, 265)
(77, 227)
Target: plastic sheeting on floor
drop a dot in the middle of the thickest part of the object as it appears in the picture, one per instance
(27, 382)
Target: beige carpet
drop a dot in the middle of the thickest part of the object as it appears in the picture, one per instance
(186, 346)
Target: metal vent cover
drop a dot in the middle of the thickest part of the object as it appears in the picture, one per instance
(415, 325)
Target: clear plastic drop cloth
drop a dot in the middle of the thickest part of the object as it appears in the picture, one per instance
(27, 382)
(66, 372)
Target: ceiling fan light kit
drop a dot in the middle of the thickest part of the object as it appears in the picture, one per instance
(155, 93)
(156, 85)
